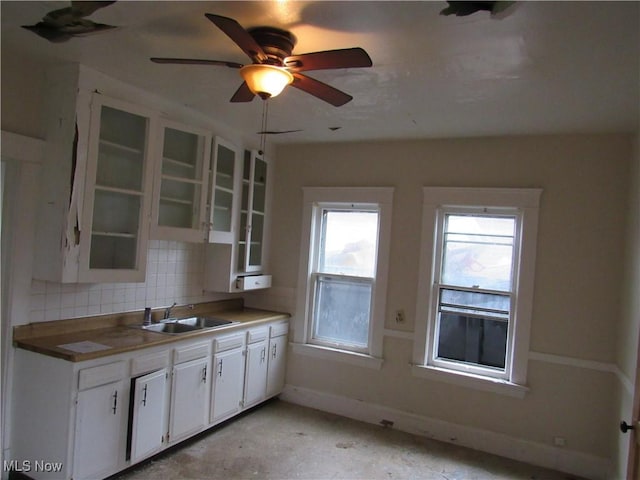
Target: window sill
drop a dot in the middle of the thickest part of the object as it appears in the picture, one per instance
(495, 385)
(345, 356)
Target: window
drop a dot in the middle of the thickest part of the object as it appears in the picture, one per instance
(343, 273)
(474, 288)
(476, 284)
(344, 262)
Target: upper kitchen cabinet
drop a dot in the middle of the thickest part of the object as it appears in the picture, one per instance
(253, 212)
(180, 191)
(236, 261)
(114, 228)
(95, 188)
(224, 192)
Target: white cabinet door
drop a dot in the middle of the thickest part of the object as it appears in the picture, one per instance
(149, 413)
(255, 385)
(277, 365)
(228, 381)
(117, 193)
(253, 213)
(100, 422)
(181, 179)
(189, 399)
(224, 191)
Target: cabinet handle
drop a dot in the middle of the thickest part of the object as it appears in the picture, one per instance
(204, 374)
(273, 354)
(115, 402)
(144, 398)
(263, 354)
(220, 368)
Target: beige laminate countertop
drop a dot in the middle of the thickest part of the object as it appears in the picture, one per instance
(119, 336)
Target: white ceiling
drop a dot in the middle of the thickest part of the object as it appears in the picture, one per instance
(545, 67)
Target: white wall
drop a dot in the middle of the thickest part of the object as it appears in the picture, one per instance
(577, 290)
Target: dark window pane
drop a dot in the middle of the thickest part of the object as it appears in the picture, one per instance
(475, 340)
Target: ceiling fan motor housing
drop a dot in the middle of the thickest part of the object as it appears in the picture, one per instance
(276, 43)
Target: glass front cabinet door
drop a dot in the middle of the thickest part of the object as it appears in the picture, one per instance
(114, 226)
(224, 191)
(181, 184)
(252, 213)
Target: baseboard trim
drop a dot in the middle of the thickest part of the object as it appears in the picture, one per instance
(569, 461)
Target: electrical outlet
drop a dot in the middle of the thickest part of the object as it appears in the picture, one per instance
(400, 316)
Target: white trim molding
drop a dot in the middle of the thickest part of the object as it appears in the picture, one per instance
(524, 200)
(563, 459)
(382, 198)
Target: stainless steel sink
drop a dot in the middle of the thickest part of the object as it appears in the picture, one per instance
(175, 326)
(204, 322)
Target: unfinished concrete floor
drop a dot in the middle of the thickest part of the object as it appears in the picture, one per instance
(284, 441)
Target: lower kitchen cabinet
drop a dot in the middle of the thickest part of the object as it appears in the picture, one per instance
(255, 380)
(189, 392)
(228, 376)
(147, 410)
(277, 358)
(94, 418)
(100, 420)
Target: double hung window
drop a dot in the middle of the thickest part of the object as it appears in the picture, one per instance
(343, 273)
(475, 289)
(476, 266)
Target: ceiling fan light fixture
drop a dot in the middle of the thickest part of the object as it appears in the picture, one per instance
(264, 80)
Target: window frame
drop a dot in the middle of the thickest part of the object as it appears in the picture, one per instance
(315, 274)
(437, 201)
(437, 286)
(315, 200)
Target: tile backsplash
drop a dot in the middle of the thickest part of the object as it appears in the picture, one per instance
(174, 274)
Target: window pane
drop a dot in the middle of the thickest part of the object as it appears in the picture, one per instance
(475, 303)
(478, 251)
(480, 341)
(349, 243)
(341, 313)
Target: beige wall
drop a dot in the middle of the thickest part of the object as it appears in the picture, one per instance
(22, 100)
(629, 327)
(578, 276)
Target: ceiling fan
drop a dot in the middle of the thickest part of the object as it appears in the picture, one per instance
(269, 49)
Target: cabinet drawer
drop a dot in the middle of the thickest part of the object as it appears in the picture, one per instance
(101, 375)
(257, 334)
(279, 329)
(191, 352)
(253, 282)
(149, 363)
(228, 342)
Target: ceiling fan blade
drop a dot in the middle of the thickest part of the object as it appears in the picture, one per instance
(320, 90)
(344, 58)
(195, 61)
(243, 94)
(240, 36)
(277, 132)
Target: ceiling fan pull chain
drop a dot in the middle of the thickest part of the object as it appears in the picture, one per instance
(263, 138)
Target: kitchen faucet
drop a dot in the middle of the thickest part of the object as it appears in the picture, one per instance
(167, 312)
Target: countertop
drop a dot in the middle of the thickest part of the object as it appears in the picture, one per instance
(115, 333)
